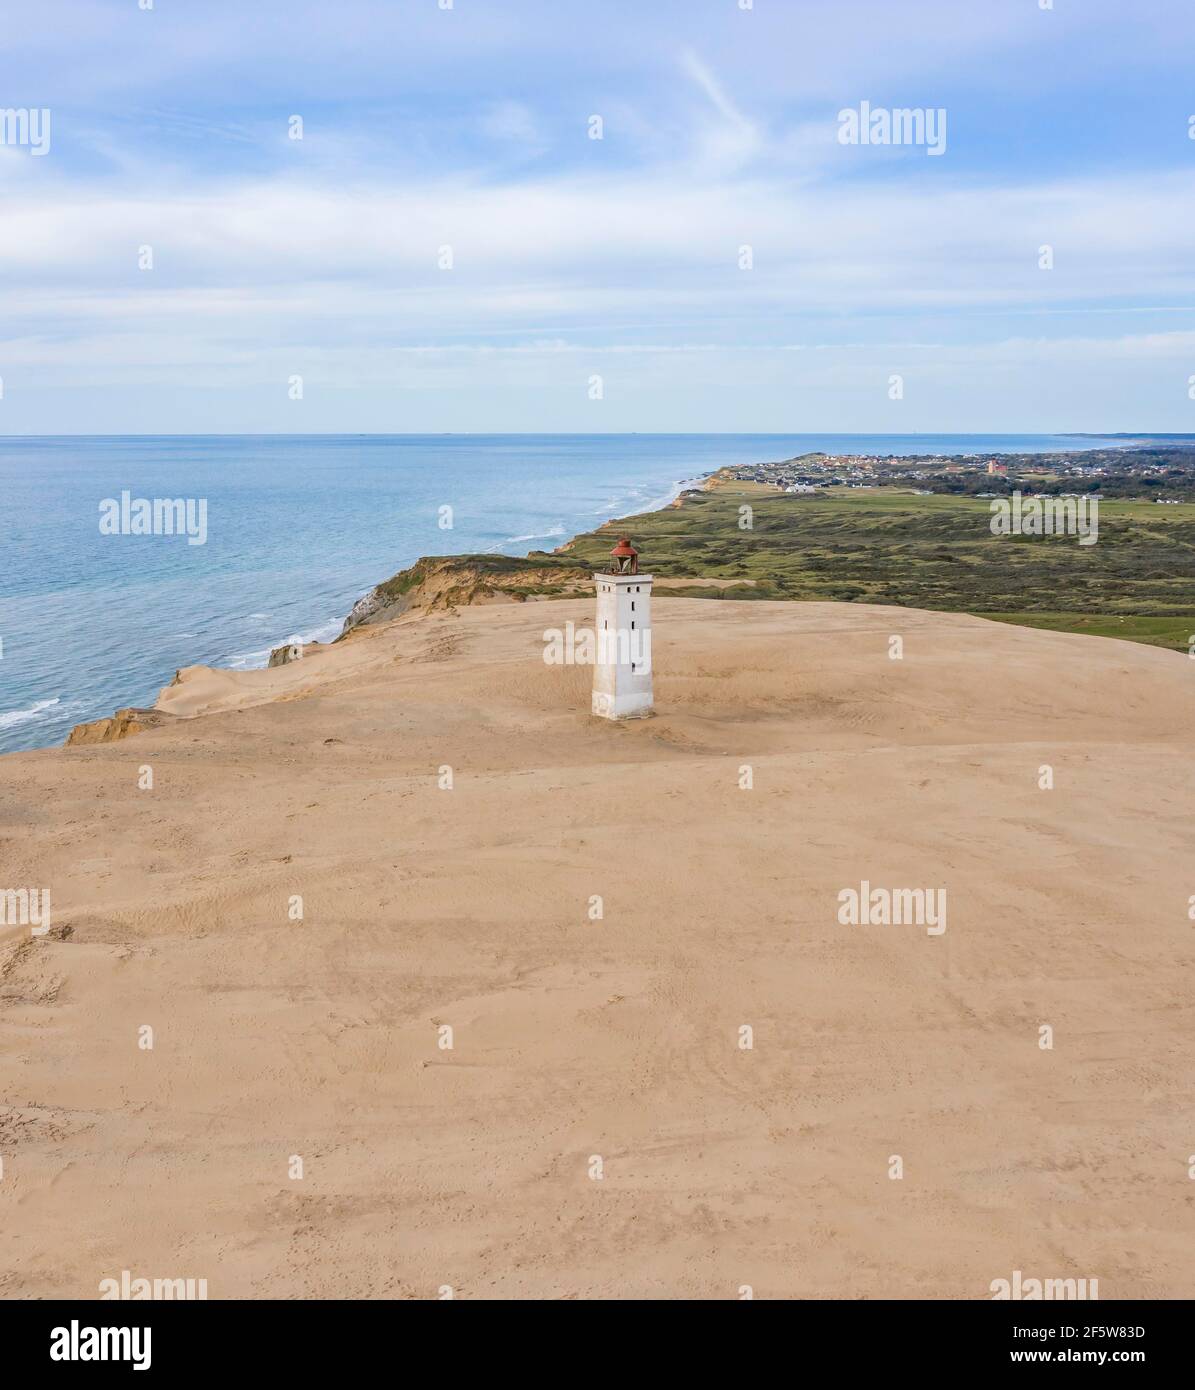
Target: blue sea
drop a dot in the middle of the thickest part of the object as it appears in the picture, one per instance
(298, 527)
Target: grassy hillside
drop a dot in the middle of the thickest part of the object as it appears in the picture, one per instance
(858, 545)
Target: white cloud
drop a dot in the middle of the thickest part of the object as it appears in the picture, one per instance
(613, 245)
(719, 134)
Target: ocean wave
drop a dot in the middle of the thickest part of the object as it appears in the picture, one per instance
(536, 535)
(9, 719)
(632, 503)
(553, 533)
(249, 661)
(655, 504)
(637, 503)
(638, 500)
(23, 716)
(255, 660)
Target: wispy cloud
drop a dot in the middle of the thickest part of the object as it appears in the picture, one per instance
(465, 129)
(733, 139)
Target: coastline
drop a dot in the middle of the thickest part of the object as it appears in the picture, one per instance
(693, 563)
(127, 718)
(333, 628)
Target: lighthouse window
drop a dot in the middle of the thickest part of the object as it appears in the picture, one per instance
(632, 625)
(632, 605)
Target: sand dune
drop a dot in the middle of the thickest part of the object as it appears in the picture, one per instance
(618, 1038)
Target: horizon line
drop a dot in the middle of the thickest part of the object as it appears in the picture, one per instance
(604, 434)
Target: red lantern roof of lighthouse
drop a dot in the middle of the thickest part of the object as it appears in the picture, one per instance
(623, 548)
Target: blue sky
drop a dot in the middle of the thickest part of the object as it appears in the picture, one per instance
(617, 258)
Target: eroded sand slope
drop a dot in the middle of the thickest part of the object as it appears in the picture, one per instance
(619, 1038)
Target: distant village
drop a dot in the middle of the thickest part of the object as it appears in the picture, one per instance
(1166, 474)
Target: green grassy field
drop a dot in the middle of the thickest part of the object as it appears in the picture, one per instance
(884, 546)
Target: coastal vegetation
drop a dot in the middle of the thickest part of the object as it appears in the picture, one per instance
(740, 539)
(922, 551)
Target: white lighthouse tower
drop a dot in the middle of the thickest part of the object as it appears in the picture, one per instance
(622, 668)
